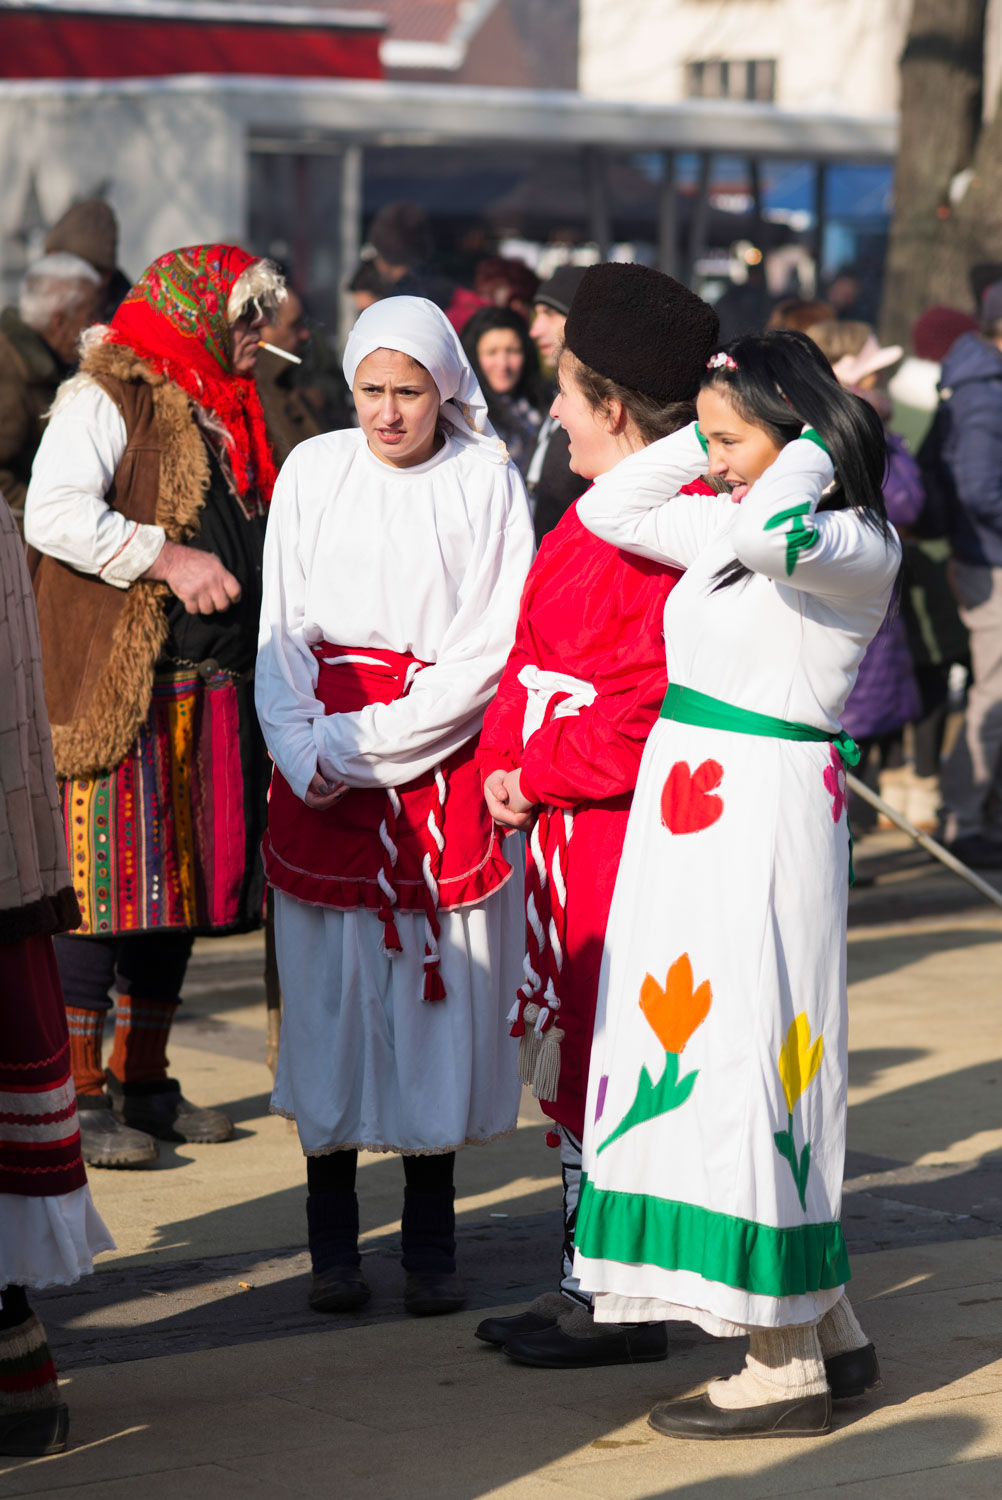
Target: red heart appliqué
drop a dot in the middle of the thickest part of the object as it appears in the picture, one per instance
(687, 801)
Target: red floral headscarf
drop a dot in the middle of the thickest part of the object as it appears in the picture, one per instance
(175, 320)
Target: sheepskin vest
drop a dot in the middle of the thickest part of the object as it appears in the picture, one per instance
(100, 644)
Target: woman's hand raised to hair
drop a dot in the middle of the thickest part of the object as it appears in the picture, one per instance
(504, 809)
(201, 582)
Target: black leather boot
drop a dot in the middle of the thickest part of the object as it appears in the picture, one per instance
(428, 1243)
(160, 1109)
(105, 1141)
(339, 1283)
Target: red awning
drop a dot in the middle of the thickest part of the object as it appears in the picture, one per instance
(166, 38)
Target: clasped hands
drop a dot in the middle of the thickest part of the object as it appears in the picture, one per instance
(505, 802)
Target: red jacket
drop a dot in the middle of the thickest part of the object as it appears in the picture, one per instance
(595, 613)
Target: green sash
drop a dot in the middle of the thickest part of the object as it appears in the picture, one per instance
(686, 706)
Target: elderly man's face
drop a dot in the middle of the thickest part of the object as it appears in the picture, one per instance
(62, 333)
(245, 335)
(287, 329)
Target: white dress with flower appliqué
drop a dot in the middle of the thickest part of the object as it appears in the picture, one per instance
(715, 1125)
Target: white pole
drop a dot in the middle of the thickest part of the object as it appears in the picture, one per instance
(935, 849)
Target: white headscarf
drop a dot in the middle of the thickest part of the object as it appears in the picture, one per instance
(415, 326)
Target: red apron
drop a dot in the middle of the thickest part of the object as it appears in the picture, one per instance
(425, 847)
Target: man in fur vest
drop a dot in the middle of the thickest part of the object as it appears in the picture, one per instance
(147, 504)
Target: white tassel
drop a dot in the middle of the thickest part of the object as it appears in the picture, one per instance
(528, 1046)
(546, 1077)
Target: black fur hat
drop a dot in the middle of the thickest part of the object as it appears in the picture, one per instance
(642, 329)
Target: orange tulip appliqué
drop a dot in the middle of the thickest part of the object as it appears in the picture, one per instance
(673, 1013)
(799, 1061)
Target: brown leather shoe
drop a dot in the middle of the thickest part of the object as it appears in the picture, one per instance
(428, 1294)
(160, 1109)
(106, 1142)
(555, 1349)
(853, 1373)
(34, 1433)
(697, 1417)
(339, 1289)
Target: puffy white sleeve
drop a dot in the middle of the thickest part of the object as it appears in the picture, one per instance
(389, 744)
(637, 505)
(285, 676)
(835, 553)
(65, 512)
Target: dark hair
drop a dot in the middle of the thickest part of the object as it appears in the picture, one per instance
(530, 382)
(366, 278)
(782, 381)
(494, 273)
(799, 313)
(651, 418)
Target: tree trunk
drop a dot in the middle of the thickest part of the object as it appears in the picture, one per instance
(942, 68)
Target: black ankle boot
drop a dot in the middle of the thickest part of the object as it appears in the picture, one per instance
(339, 1284)
(428, 1242)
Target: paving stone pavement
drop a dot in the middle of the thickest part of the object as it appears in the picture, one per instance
(192, 1363)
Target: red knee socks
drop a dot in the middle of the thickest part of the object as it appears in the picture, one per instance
(139, 1052)
(86, 1032)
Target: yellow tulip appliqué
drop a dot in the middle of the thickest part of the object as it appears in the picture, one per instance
(673, 1013)
(799, 1060)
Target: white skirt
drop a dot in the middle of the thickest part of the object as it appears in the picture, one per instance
(49, 1241)
(364, 1062)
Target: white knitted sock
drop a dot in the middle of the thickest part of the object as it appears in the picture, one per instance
(781, 1364)
(839, 1331)
(579, 1323)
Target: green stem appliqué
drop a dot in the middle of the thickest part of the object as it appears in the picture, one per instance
(654, 1099)
(800, 536)
(799, 1166)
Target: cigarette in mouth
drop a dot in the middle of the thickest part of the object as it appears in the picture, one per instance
(282, 353)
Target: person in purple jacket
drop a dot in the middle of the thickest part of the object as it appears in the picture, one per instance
(886, 695)
(962, 464)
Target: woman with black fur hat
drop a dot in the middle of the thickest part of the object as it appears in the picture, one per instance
(713, 1183)
(562, 741)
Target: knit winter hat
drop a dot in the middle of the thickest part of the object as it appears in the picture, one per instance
(88, 229)
(642, 329)
(400, 233)
(937, 329)
(559, 290)
(991, 303)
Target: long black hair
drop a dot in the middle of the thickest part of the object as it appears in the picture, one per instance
(530, 382)
(781, 381)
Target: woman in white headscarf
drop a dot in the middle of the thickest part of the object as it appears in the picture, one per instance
(395, 559)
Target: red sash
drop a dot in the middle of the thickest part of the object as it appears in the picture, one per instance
(425, 847)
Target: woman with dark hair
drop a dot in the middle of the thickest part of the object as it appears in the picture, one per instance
(505, 362)
(713, 1184)
(562, 741)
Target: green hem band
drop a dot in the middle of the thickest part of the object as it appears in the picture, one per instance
(638, 1229)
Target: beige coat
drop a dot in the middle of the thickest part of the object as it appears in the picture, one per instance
(36, 895)
(29, 378)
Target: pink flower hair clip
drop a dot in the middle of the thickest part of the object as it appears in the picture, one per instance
(721, 361)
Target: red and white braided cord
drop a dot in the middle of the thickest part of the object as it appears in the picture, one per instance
(384, 875)
(431, 869)
(546, 918)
